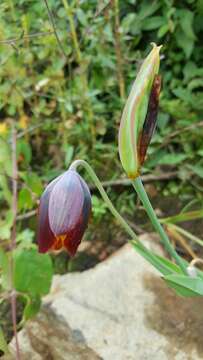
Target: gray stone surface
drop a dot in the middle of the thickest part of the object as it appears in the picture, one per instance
(119, 310)
(47, 337)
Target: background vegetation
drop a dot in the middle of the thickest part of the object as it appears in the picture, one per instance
(65, 72)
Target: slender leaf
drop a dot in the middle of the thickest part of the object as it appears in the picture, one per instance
(163, 265)
(185, 285)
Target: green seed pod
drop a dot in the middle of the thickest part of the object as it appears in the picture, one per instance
(139, 115)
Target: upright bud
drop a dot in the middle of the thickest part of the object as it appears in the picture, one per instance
(139, 115)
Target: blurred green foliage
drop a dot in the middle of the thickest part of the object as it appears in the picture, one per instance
(75, 101)
(67, 104)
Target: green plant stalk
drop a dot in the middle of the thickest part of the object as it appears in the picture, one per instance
(139, 188)
(73, 31)
(119, 58)
(80, 62)
(155, 260)
(104, 195)
(12, 8)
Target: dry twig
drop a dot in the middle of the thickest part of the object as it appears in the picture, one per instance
(145, 179)
(14, 40)
(177, 237)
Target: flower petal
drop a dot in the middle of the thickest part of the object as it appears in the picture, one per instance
(87, 206)
(65, 203)
(75, 234)
(45, 237)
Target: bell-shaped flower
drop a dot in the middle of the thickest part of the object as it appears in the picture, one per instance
(139, 115)
(64, 212)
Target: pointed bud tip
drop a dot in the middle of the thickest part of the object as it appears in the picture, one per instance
(155, 46)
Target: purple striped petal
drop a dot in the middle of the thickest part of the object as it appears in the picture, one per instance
(65, 203)
(45, 237)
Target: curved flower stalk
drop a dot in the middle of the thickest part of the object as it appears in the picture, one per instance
(64, 212)
(172, 274)
(139, 115)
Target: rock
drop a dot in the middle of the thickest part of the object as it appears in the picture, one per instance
(119, 310)
(48, 337)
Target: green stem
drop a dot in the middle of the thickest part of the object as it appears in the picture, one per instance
(104, 195)
(157, 261)
(119, 58)
(138, 186)
(83, 70)
(73, 31)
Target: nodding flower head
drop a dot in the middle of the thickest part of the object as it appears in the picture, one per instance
(64, 212)
(139, 115)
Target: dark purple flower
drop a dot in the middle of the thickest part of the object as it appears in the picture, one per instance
(64, 212)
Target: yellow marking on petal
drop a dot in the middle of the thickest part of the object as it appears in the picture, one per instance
(59, 242)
